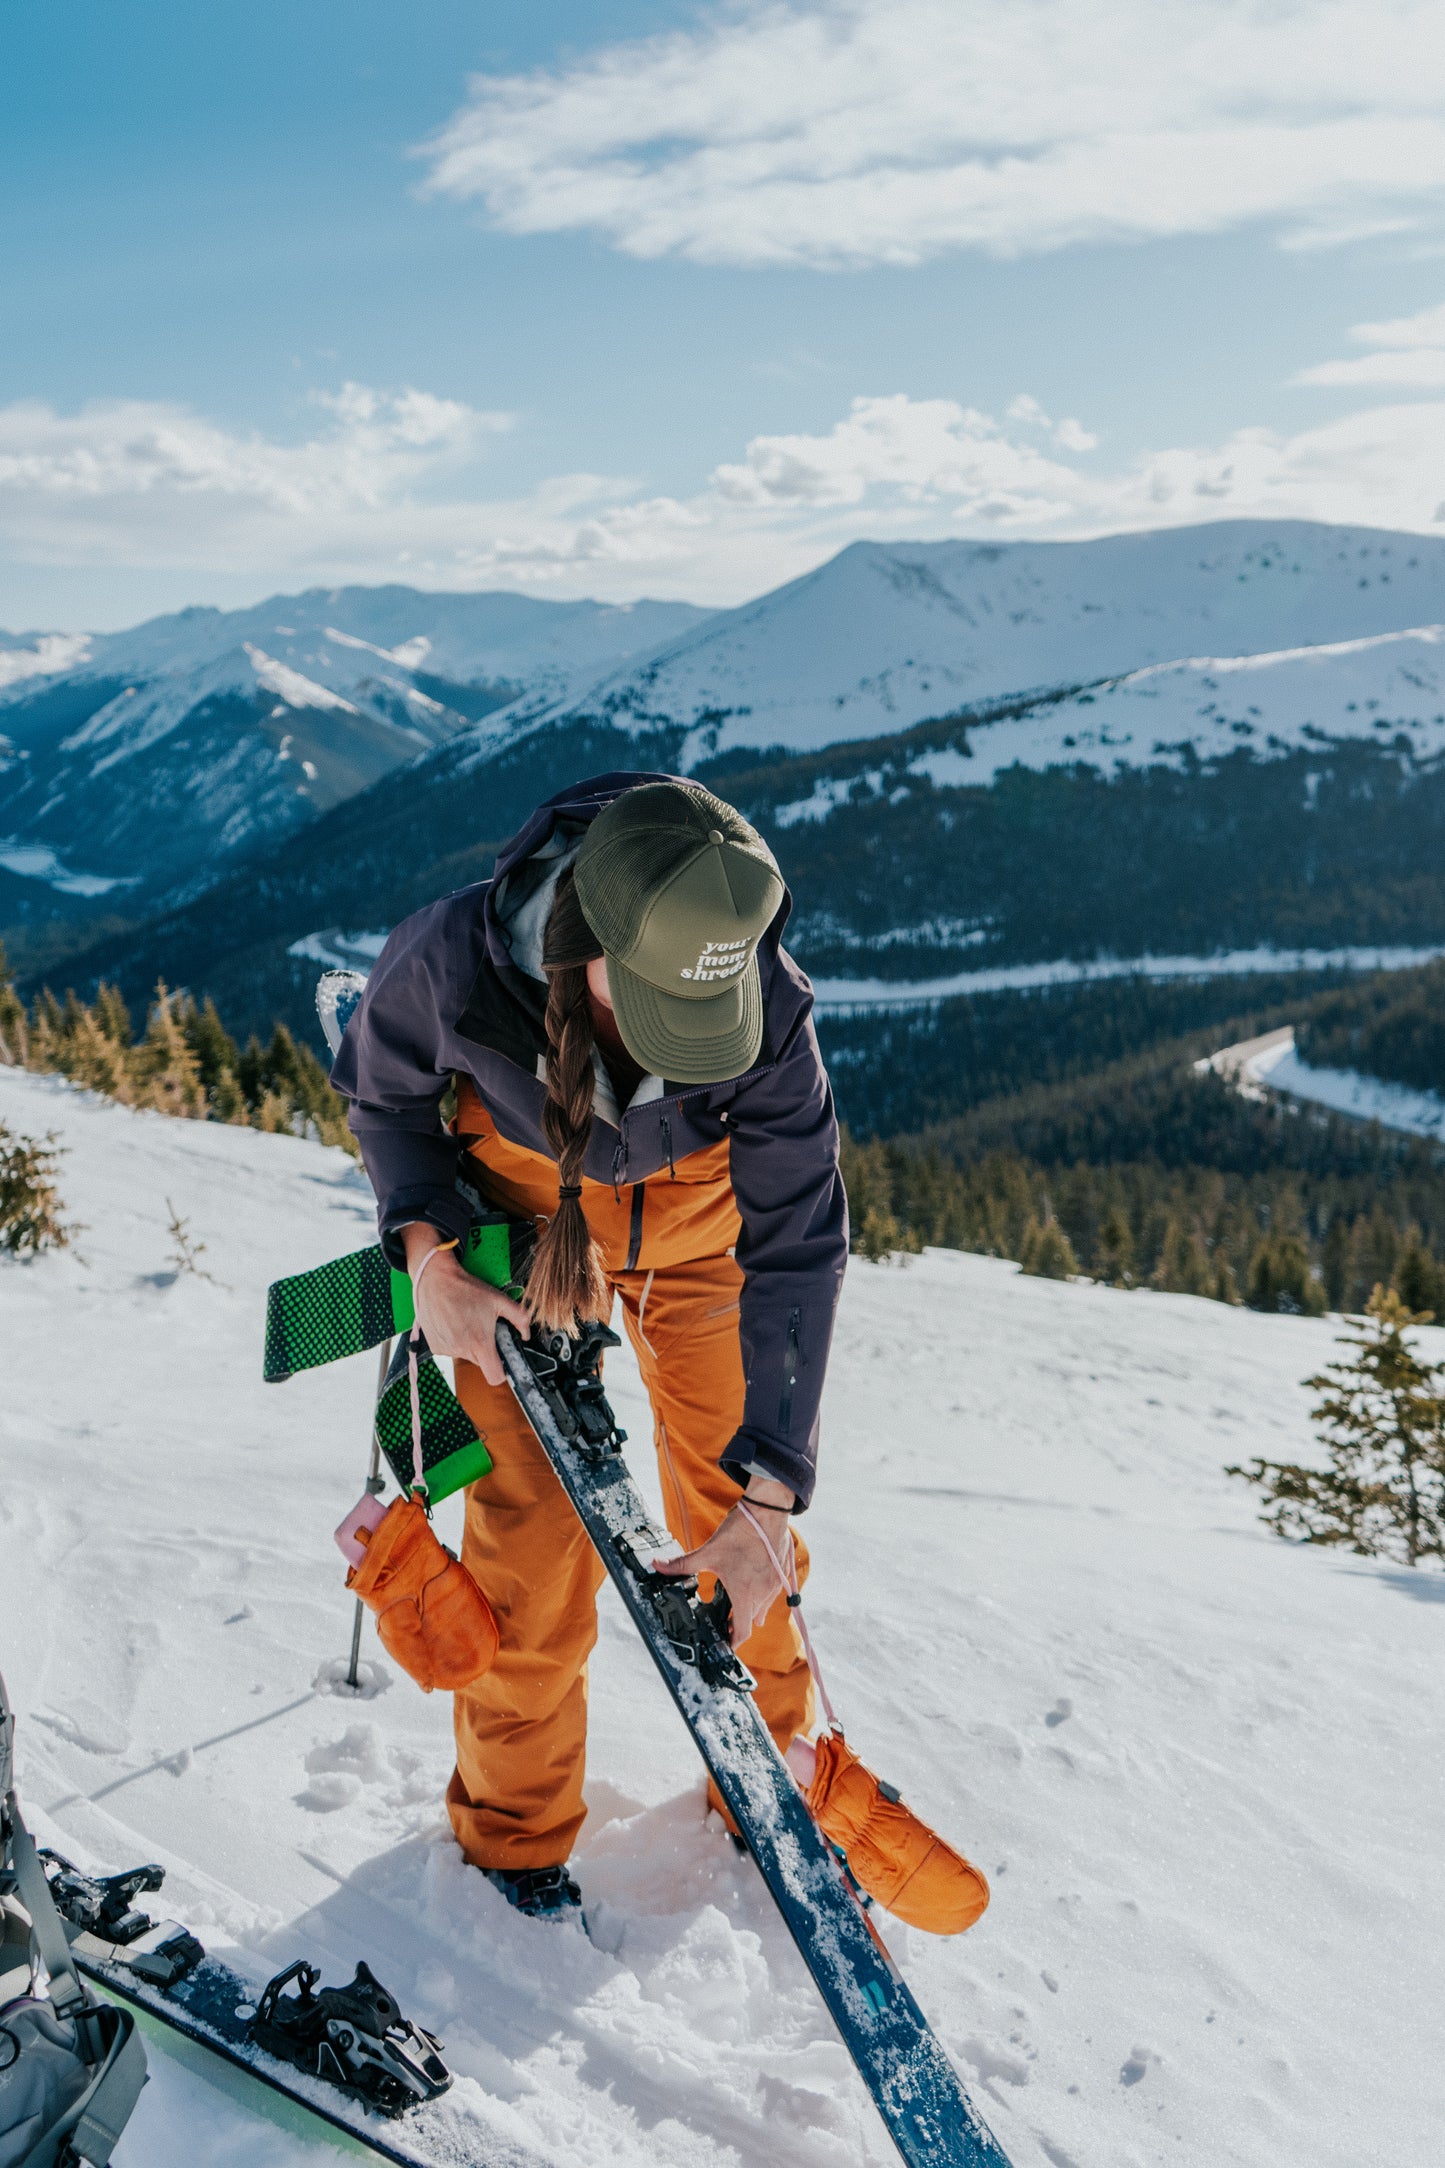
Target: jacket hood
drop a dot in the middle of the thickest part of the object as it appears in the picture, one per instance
(518, 896)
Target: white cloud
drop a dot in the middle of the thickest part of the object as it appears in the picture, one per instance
(1420, 368)
(896, 458)
(389, 490)
(128, 451)
(851, 132)
(1411, 354)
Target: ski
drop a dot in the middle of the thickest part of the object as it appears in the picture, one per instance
(339, 2064)
(336, 1310)
(929, 2116)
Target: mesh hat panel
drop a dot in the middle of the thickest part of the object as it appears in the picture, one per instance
(679, 889)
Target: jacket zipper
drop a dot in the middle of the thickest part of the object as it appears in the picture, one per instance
(701, 1091)
(790, 1372)
(634, 1234)
(679, 1099)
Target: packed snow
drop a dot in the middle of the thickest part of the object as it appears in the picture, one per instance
(1271, 1063)
(849, 995)
(1202, 1769)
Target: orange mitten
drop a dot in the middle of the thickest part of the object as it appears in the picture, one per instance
(431, 1615)
(894, 1856)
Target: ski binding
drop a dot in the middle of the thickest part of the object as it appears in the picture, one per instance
(353, 2037)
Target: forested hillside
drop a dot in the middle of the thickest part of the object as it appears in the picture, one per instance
(1140, 1169)
(1384, 1029)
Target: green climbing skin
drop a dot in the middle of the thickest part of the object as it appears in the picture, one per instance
(355, 1303)
(452, 1453)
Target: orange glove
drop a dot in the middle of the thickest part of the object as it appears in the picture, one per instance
(894, 1856)
(431, 1616)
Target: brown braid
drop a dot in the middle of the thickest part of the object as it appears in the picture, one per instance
(567, 1285)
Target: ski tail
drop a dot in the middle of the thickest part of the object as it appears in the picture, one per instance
(357, 1301)
(338, 996)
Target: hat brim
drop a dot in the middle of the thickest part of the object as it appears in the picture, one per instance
(689, 1041)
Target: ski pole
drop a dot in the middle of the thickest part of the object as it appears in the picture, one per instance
(375, 1484)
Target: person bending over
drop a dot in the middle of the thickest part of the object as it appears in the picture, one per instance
(635, 1067)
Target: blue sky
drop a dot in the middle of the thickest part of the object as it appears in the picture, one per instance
(628, 299)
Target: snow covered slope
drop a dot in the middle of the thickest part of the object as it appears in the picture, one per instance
(1271, 1063)
(1277, 703)
(1203, 1770)
(338, 635)
(888, 635)
(150, 754)
(1296, 700)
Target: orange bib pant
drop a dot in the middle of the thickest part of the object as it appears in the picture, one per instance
(515, 1798)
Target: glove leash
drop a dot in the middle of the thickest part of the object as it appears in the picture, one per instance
(788, 1582)
(418, 1474)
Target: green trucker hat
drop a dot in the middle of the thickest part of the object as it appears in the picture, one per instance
(679, 889)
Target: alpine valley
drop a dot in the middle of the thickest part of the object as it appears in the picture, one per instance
(970, 758)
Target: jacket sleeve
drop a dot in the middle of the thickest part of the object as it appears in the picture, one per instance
(391, 1069)
(792, 1248)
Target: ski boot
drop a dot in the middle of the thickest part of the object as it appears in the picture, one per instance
(543, 1893)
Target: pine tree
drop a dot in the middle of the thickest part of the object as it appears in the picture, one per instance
(112, 1015)
(30, 1205)
(164, 1071)
(227, 1104)
(880, 1236)
(47, 1032)
(14, 1031)
(1280, 1278)
(214, 1048)
(1183, 1267)
(1419, 1277)
(1381, 1417)
(1114, 1256)
(1046, 1250)
(1335, 1262)
(1374, 1245)
(868, 1180)
(91, 1058)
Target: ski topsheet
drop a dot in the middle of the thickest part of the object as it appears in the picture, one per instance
(929, 2116)
(211, 2007)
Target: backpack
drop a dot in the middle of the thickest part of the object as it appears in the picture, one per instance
(71, 2065)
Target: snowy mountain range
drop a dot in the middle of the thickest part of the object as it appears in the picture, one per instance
(887, 636)
(967, 756)
(147, 756)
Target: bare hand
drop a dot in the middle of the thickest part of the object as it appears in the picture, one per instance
(457, 1313)
(736, 1553)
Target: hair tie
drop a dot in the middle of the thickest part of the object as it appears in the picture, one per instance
(569, 1189)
